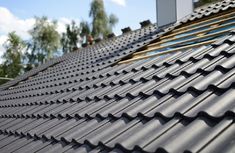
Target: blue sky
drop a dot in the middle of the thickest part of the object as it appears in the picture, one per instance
(18, 15)
(129, 12)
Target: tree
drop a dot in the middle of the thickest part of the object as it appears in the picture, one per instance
(85, 31)
(100, 27)
(45, 41)
(70, 38)
(99, 18)
(102, 24)
(113, 20)
(12, 65)
(2, 74)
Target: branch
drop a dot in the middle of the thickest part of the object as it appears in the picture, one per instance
(1, 78)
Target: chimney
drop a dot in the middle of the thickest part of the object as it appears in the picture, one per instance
(111, 35)
(98, 40)
(126, 30)
(171, 11)
(145, 23)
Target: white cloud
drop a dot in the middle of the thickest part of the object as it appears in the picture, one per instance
(62, 22)
(119, 2)
(3, 39)
(9, 22)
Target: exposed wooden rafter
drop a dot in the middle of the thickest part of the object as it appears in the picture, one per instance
(157, 47)
(196, 33)
(178, 32)
(167, 52)
(189, 36)
(197, 22)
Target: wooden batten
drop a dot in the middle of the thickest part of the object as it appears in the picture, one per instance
(218, 16)
(165, 52)
(193, 39)
(174, 33)
(199, 33)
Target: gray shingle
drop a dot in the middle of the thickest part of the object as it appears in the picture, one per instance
(86, 102)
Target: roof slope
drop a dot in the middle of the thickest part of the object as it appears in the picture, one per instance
(84, 102)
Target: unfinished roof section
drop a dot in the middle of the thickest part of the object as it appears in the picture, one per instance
(84, 102)
(204, 29)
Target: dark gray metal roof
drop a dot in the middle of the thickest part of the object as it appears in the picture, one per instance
(83, 102)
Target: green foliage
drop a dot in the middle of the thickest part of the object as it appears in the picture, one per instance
(45, 41)
(85, 28)
(113, 20)
(102, 24)
(85, 31)
(99, 18)
(70, 38)
(2, 74)
(12, 65)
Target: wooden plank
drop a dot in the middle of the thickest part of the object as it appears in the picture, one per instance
(167, 52)
(179, 48)
(186, 27)
(193, 39)
(1, 78)
(217, 16)
(172, 34)
(196, 33)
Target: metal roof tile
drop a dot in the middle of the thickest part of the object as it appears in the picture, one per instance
(86, 102)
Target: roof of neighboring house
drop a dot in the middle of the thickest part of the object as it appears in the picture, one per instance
(150, 90)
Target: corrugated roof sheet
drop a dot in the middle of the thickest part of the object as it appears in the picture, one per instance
(84, 102)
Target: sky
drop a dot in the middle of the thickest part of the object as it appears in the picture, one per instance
(18, 15)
